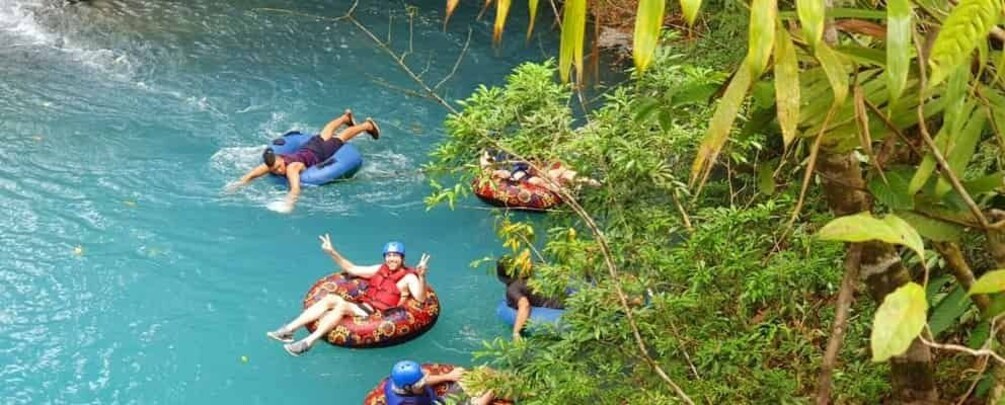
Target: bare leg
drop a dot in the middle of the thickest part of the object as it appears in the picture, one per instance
(327, 323)
(369, 126)
(331, 126)
(314, 312)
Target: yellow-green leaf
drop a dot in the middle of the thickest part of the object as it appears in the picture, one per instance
(811, 18)
(834, 68)
(960, 148)
(906, 233)
(532, 4)
(690, 9)
(969, 22)
(721, 123)
(647, 31)
(786, 85)
(573, 34)
(502, 10)
(991, 282)
(899, 31)
(860, 227)
(898, 321)
(761, 39)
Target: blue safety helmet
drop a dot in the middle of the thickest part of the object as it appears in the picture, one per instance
(394, 247)
(405, 374)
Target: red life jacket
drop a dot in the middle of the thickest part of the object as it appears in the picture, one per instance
(382, 291)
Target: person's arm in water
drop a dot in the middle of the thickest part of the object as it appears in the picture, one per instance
(522, 314)
(255, 173)
(293, 176)
(345, 264)
(414, 285)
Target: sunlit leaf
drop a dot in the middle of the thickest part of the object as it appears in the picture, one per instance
(907, 234)
(899, 30)
(502, 10)
(931, 228)
(532, 4)
(721, 123)
(811, 18)
(990, 282)
(864, 227)
(969, 22)
(573, 34)
(960, 149)
(648, 23)
(786, 85)
(837, 73)
(761, 39)
(451, 6)
(898, 321)
(690, 9)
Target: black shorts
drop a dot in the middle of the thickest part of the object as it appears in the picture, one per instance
(324, 149)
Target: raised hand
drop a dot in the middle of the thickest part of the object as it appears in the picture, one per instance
(421, 267)
(326, 243)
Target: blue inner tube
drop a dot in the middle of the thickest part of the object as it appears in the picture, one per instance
(342, 165)
(538, 316)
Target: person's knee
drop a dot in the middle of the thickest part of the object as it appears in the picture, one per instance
(332, 301)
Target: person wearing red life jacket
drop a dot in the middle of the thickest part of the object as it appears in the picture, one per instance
(390, 285)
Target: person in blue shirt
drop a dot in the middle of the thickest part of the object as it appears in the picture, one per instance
(410, 385)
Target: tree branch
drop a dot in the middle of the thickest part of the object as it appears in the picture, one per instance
(853, 259)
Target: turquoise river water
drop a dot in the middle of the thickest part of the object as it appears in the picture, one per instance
(128, 275)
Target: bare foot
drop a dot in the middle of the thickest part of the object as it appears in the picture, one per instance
(374, 130)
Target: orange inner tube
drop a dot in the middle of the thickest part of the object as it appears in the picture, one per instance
(521, 195)
(376, 395)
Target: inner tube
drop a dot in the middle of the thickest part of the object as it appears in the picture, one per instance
(376, 395)
(516, 195)
(342, 165)
(380, 329)
(539, 316)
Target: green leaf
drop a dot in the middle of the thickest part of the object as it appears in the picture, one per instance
(907, 234)
(934, 286)
(969, 22)
(647, 31)
(573, 34)
(765, 181)
(927, 165)
(985, 184)
(811, 18)
(990, 282)
(645, 108)
(532, 5)
(763, 14)
(960, 148)
(721, 123)
(898, 321)
(837, 73)
(899, 31)
(979, 335)
(786, 85)
(947, 311)
(931, 228)
(892, 192)
(690, 9)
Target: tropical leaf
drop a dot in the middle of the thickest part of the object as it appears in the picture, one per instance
(837, 73)
(648, 23)
(811, 18)
(899, 31)
(532, 5)
(502, 10)
(891, 190)
(451, 6)
(990, 282)
(721, 123)
(690, 9)
(927, 164)
(863, 227)
(960, 149)
(969, 22)
(947, 311)
(573, 34)
(898, 321)
(985, 184)
(931, 228)
(786, 85)
(763, 15)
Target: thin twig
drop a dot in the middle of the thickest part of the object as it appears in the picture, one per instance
(983, 352)
(853, 260)
(457, 62)
(944, 168)
(814, 153)
(980, 372)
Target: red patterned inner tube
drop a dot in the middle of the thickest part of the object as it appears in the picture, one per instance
(511, 194)
(376, 395)
(382, 328)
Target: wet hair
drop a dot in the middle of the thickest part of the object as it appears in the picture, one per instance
(269, 157)
(502, 273)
